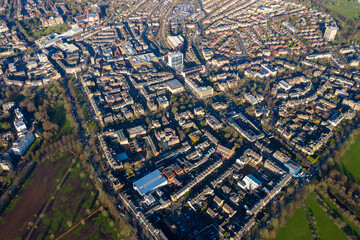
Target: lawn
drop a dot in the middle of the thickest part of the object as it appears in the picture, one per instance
(58, 116)
(350, 162)
(297, 227)
(326, 228)
(350, 10)
(77, 199)
(350, 226)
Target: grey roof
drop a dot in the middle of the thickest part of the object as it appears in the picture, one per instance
(173, 84)
(150, 182)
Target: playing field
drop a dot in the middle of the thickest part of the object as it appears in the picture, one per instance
(75, 200)
(350, 162)
(32, 197)
(297, 227)
(324, 225)
(350, 10)
(351, 228)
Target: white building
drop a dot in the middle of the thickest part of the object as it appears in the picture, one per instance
(6, 165)
(18, 113)
(250, 182)
(330, 33)
(163, 101)
(176, 60)
(175, 41)
(20, 125)
(22, 144)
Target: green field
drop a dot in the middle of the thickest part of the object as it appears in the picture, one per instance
(76, 200)
(350, 10)
(297, 227)
(324, 225)
(350, 162)
(350, 228)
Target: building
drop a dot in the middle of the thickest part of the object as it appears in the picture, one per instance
(245, 127)
(139, 130)
(150, 182)
(174, 86)
(293, 167)
(200, 92)
(163, 101)
(20, 125)
(5, 162)
(22, 144)
(7, 106)
(51, 21)
(330, 33)
(250, 182)
(224, 151)
(175, 41)
(176, 60)
(121, 137)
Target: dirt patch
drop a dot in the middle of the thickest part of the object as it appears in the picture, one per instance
(34, 196)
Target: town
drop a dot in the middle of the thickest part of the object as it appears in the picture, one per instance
(204, 113)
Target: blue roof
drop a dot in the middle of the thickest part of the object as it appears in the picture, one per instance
(150, 182)
(122, 156)
(293, 167)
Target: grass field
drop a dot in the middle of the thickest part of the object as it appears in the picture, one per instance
(350, 10)
(58, 116)
(76, 200)
(324, 225)
(32, 197)
(351, 228)
(350, 162)
(297, 227)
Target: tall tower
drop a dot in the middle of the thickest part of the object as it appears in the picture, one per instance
(176, 60)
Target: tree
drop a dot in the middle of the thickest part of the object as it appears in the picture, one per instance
(264, 233)
(40, 116)
(5, 125)
(30, 106)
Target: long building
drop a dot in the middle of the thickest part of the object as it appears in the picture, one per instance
(150, 182)
(22, 144)
(245, 127)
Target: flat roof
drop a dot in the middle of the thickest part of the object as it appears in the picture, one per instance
(173, 84)
(150, 182)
